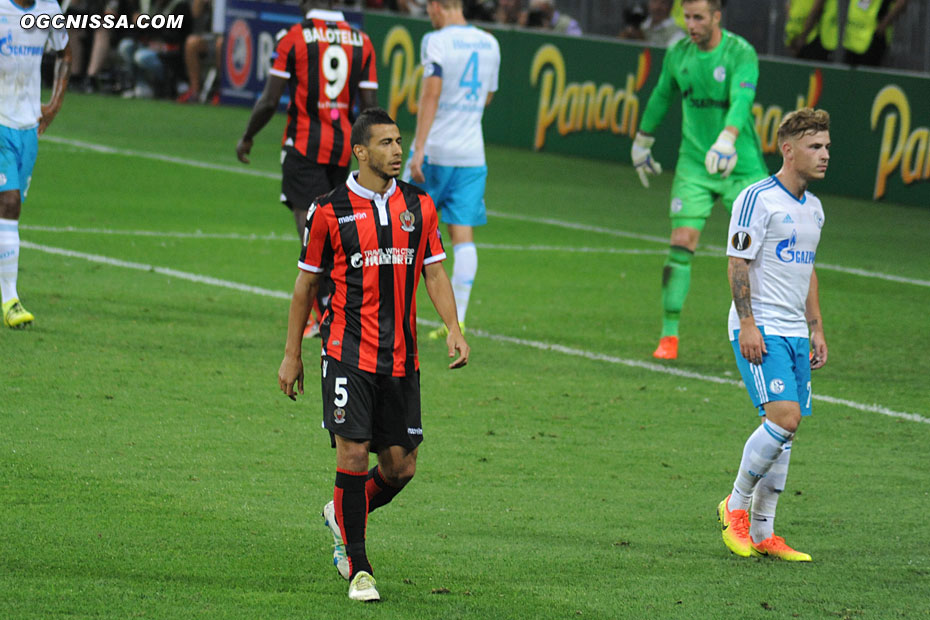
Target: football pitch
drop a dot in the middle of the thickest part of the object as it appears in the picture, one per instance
(150, 467)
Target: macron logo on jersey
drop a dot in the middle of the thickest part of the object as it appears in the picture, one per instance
(787, 254)
(345, 219)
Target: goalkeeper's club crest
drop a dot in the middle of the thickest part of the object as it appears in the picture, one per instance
(407, 219)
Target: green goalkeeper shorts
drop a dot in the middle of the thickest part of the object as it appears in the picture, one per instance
(693, 196)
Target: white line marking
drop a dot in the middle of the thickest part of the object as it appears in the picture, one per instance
(109, 150)
(197, 234)
(872, 274)
(535, 344)
(583, 227)
(165, 271)
(243, 169)
(709, 249)
(562, 248)
(687, 374)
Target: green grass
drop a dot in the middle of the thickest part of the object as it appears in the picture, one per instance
(149, 466)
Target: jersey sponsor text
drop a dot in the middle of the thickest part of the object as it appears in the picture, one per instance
(389, 256)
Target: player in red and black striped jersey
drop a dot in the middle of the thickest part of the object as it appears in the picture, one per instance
(377, 236)
(330, 62)
(326, 65)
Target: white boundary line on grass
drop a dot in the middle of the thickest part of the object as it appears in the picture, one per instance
(486, 246)
(197, 234)
(712, 250)
(165, 271)
(535, 344)
(293, 239)
(111, 150)
(242, 169)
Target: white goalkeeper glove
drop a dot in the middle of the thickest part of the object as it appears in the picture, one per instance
(722, 155)
(642, 157)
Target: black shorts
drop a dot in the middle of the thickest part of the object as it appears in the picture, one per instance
(302, 179)
(366, 406)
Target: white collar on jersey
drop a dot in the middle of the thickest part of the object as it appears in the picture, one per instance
(329, 16)
(367, 194)
(380, 200)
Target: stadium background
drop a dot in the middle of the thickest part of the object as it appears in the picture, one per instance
(585, 106)
(762, 22)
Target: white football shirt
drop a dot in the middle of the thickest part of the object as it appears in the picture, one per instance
(21, 62)
(779, 234)
(468, 61)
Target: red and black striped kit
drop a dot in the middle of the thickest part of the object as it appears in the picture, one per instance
(376, 246)
(325, 63)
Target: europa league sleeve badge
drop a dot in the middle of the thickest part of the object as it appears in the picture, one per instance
(406, 221)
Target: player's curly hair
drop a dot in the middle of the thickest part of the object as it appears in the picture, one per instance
(801, 122)
(361, 129)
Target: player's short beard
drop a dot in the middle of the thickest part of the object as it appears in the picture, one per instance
(384, 175)
(703, 39)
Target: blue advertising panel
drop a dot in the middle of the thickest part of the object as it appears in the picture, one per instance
(251, 32)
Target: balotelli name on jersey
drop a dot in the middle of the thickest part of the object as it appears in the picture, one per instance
(325, 62)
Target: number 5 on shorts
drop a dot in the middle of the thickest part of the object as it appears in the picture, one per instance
(342, 395)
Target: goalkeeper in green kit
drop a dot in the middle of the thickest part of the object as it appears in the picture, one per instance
(715, 72)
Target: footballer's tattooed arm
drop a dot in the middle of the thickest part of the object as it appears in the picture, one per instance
(751, 343)
(738, 274)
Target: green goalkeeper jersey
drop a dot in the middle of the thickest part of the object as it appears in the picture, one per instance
(717, 90)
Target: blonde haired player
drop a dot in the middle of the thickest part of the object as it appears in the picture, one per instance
(775, 326)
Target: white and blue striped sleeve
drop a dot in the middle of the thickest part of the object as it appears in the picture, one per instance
(748, 220)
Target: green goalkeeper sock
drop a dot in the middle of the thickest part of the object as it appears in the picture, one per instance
(676, 280)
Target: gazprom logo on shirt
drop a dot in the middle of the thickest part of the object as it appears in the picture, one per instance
(7, 48)
(787, 254)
